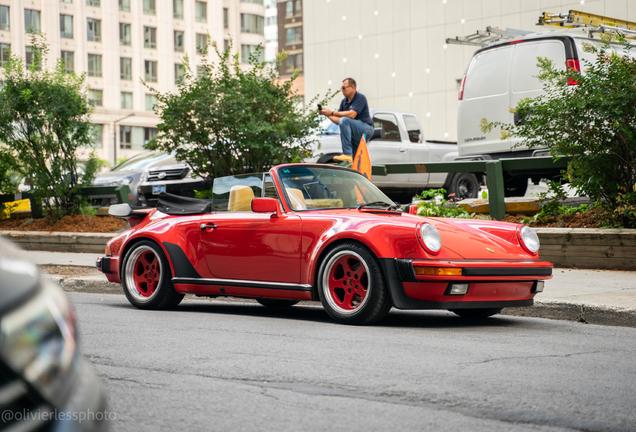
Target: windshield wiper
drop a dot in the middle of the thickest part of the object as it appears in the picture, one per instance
(384, 203)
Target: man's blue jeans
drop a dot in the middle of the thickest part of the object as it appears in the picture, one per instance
(351, 132)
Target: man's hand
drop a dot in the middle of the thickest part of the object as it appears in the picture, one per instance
(326, 112)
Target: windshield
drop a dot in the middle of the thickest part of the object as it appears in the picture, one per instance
(315, 187)
(142, 160)
(329, 128)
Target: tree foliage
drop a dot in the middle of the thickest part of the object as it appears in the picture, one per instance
(593, 121)
(44, 121)
(230, 118)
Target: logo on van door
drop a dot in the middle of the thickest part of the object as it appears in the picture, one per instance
(475, 139)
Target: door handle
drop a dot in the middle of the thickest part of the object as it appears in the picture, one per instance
(402, 149)
(206, 226)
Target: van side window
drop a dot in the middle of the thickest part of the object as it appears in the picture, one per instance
(413, 128)
(390, 125)
(489, 73)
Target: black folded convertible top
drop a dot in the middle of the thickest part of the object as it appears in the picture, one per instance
(178, 205)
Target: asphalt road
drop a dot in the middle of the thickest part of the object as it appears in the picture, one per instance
(229, 366)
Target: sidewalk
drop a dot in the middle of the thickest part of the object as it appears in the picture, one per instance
(593, 296)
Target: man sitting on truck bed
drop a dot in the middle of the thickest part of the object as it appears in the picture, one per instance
(353, 118)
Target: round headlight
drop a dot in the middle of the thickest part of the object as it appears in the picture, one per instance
(431, 239)
(529, 239)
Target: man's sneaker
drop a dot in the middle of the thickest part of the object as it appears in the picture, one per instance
(343, 158)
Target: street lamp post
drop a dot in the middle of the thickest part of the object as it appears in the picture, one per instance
(115, 137)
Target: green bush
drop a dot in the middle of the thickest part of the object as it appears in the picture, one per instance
(434, 204)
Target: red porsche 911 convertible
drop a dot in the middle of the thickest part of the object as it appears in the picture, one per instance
(320, 232)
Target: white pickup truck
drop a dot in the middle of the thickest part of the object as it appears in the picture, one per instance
(398, 138)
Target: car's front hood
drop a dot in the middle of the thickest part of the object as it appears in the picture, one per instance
(110, 177)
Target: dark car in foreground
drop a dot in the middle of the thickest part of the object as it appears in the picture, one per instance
(320, 232)
(45, 383)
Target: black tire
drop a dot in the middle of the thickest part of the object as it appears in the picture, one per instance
(276, 303)
(352, 265)
(464, 186)
(476, 313)
(149, 287)
(515, 186)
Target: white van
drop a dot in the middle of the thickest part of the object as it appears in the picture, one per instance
(497, 78)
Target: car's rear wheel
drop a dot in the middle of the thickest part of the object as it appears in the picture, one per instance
(351, 285)
(276, 303)
(146, 278)
(476, 313)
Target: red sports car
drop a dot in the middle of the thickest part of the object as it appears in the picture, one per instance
(320, 232)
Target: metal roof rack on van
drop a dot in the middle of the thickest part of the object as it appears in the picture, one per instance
(491, 35)
(591, 22)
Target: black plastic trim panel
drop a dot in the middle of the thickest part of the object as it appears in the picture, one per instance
(180, 262)
(507, 271)
(242, 283)
(405, 269)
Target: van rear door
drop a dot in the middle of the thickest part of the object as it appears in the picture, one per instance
(486, 95)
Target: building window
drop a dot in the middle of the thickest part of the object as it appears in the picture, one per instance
(94, 65)
(126, 100)
(32, 21)
(92, 3)
(298, 7)
(178, 41)
(125, 68)
(30, 54)
(94, 29)
(66, 1)
(252, 24)
(149, 134)
(225, 19)
(200, 11)
(289, 9)
(151, 102)
(226, 45)
(177, 9)
(66, 26)
(260, 2)
(124, 34)
(95, 97)
(97, 135)
(4, 18)
(5, 53)
(201, 71)
(294, 61)
(124, 5)
(247, 51)
(202, 43)
(69, 61)
(179, 73)
(149, 7)
(294, 35)
(151, 71)
(150, 37)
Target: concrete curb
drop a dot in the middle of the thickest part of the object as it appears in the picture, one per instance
(556, 310)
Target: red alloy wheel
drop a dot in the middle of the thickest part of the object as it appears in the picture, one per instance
(347, 281)
(143, 273)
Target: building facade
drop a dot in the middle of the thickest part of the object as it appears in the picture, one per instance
(290, 39)
(118, 43)
(396, 49)
(271, 31)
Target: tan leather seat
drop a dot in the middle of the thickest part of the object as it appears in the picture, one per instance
(297, 199)
(240, 199)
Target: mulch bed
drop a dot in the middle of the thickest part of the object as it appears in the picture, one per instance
(579, 220)
(75, 223)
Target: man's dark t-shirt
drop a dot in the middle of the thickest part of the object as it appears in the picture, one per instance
(359, 105)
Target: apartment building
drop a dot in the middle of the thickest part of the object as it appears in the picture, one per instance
(120, 42)
(290, 39)
(396, 50)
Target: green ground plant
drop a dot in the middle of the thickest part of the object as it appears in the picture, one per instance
(593, 121)
(434, 204)
(44, 122)
(229, 118)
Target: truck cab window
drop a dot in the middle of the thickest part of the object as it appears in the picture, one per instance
(390, 125)
(413, 129)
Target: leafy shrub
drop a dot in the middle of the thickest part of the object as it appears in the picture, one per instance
(434, 204)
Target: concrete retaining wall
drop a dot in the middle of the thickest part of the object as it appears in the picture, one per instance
(583, 248)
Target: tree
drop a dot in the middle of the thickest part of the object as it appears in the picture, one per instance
(593, 121)
(44, 121)
(230, 119)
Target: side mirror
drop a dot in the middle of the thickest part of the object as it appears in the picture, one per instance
(120, 210)
(266, 205)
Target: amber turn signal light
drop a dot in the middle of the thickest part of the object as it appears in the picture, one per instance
(438, 271)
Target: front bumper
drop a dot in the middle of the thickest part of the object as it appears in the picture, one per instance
(491, 283)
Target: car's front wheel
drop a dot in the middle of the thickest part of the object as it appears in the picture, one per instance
(476, 313)
(146, 278)
(351, 285)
